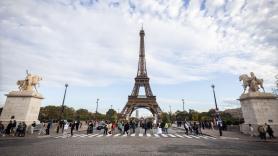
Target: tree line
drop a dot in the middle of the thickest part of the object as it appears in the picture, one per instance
(55, 113)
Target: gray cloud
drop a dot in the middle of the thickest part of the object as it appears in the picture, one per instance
(81, 41)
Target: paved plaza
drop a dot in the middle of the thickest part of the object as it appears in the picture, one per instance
(173, 143)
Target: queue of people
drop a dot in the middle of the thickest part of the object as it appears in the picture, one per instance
(263, 130)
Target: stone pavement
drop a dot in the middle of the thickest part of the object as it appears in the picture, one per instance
(175, 144)
(228, 135)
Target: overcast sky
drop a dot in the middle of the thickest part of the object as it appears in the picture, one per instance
(93, 46)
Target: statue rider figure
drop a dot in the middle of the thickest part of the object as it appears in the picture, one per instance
(28, 81)
(253, 83)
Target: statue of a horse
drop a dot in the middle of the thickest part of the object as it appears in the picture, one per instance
(29, 82)
(254, 86)
(35, 81)
(245, 80)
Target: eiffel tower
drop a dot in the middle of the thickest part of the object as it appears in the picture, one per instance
(147, 101)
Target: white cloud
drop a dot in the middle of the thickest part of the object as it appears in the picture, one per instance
(90, 43)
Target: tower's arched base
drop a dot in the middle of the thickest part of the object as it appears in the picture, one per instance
(135, 102)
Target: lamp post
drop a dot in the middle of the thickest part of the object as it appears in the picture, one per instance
(96, 109)
(62, 110)
(215, 102)
(60, 123)
(182, 104)
(217, 114)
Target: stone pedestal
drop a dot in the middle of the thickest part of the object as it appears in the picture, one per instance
(23, 105)
(257, 109)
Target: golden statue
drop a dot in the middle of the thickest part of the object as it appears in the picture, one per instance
(30, 82)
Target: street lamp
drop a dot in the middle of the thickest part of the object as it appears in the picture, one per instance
(213, 86)
(97, 105)
(182, 104)
(217, 114)
(96, 110)
(62, 110)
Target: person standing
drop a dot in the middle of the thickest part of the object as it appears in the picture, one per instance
(9, 127)
(105, 128)
(72, 126)
(42, 129)
(166, 126)
(186, 127)
(48, 128)
(2, 128)
(33, 127)
(133, 126)
(126, 128)
(77, 125)
(13, 128)
(251, 130)
(270, 132)
(145, 126)
(24, 127)
(262, 132)
(220, 126)
(109, 128)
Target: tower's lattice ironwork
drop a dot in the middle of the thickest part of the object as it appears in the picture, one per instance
(135, 100)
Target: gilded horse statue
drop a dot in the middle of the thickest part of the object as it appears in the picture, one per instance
(252, 82)
(30, 82)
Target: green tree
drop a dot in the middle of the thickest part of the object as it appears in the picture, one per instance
(49, 113)
(165, 117)
(82, 114)
(181, 116)
(111, 115)
(54, 113)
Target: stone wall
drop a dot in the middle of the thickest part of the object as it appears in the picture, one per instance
(258, 109)
(24, 106)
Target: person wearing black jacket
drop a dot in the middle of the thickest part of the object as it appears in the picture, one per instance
(126, 128)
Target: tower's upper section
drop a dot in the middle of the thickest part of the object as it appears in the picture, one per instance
(142, 70)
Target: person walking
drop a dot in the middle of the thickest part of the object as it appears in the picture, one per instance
(133, 126)
(126, 128)
(270, 132)
(262, 132)
(220, 126)
(159, 130)
(33, 127)
(42, 129)
(186, 127)
(251, 130)
(109, 128)
(145, 126)
(120, 127)
(105, 128)
(166, 126)
(77, 123)
(48, 128)
(72, 126)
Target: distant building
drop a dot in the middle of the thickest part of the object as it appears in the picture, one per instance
(235, 113)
